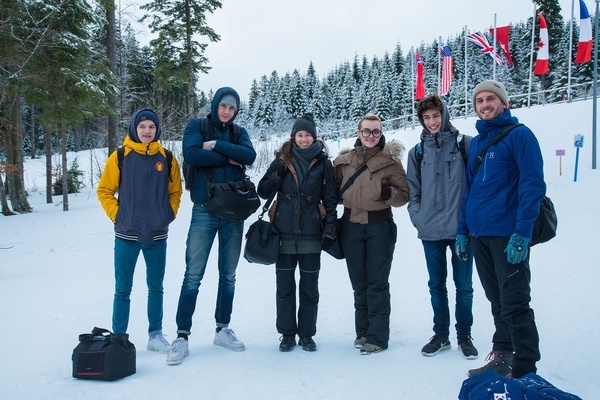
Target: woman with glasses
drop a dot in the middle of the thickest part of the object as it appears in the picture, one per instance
(368, 231)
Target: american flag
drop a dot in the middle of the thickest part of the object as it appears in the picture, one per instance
(486, 48)
(446, 70)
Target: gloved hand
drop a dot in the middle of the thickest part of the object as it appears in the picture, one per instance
(327, 243)
(461, 246)
(517, 248)
(280, 168)
(386, 190)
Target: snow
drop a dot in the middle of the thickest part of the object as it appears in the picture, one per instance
(56, 280)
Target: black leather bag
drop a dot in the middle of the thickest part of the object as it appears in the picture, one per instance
(262, 243)
(544, 227)
(336, 250)
(102, 355)
(235, 200)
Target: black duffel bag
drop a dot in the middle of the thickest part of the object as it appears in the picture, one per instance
(262, 243)
(235, 200)
(104, 356)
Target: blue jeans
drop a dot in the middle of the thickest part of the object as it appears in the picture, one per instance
(203, 229)
(126, 255)
(462, 273)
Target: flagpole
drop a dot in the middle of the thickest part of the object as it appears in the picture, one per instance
(466, 74)
(570, 54)
(531, 56)
(440, 65)
(412, 83)
(494, 70)
(595, 102)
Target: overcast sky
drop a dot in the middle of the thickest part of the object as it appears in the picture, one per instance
(260, 36)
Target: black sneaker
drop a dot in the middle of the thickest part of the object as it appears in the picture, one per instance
(435, 345)
(499, 361)
(287, 342)
(307, 344)
(465, 345)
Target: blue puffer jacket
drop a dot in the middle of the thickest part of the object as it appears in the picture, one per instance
(225, 149)
(504, 196)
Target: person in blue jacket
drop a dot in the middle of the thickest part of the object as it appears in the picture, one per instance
(501, 201)
(223, 157)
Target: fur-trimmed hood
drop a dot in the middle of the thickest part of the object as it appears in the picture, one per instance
(393, 150)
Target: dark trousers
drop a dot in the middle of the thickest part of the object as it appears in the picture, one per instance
(507, 288)
(369, 249)
(285, 269)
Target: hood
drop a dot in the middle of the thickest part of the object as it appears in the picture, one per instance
(445, 119)
(133, 132)
(214, 105)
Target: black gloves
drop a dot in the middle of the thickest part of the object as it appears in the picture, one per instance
(280, 168)
(386, 190)
(327, 243)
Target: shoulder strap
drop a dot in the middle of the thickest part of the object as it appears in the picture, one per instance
(462, 146)
(272, 196)
(169, 155)
(499, 137)
(120, 157)
(350, 181)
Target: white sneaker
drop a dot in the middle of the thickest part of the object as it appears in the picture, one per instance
(159, 343)
(179, 350)
(226, 338)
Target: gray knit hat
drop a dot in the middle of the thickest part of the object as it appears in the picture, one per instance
(491, 86)
(229, 100)
(305, 123)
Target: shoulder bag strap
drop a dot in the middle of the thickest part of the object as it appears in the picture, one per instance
(272, 196)
(350, 181)
(479, 158)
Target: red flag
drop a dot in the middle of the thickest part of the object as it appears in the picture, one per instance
(541, 63)
(584, 48)
(446, 70)
(420, 92)
(502, 33)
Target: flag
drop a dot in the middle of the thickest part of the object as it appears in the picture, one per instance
(420, 91)
(486, 48)
(446, 70)
(541, 62)
(502, 33)
(584, 48)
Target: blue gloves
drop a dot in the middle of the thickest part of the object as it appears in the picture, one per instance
(516, 251)
(461, 247)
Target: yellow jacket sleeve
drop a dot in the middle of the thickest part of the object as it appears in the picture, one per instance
(108, 185)
(175, 188)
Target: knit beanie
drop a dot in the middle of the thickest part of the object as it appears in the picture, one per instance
(145, 115)
(491, 86)
(305, 123)
(229, 100)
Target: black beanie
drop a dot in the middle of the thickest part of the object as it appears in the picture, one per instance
(305, 123)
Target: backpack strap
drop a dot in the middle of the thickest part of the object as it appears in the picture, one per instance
(479, 158)
(121, 157)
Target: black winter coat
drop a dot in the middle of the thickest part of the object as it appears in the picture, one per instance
(297, 214)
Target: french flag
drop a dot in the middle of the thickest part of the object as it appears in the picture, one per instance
(584, 48)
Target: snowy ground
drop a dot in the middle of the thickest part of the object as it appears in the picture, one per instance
(56, 281)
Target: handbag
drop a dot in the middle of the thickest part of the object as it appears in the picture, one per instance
(236, 200)
(103, 355)
(262, 239)
(544, 227)
(336, 250)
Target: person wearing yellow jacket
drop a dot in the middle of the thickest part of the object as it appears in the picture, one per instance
(149, 188)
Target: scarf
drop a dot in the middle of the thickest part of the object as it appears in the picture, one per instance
(303, 157)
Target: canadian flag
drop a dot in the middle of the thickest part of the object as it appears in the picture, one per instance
(584, 48)
(541, 62)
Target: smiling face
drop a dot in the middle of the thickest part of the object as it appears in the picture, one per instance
(432, 119)
(146, 131)
(374, 128)
(488, 105)
(303, 139)
(226, 112)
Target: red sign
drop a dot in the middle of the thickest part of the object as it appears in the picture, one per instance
(560, 152)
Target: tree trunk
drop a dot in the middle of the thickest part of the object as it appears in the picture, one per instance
(33, 136)
(5, 208)
(48, 152)
(14, 161)
(111, 50)
(63, 150)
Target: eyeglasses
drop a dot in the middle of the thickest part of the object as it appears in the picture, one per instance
(367, 132)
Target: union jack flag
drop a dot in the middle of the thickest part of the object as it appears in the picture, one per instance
(486, 48)
(446, 70)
